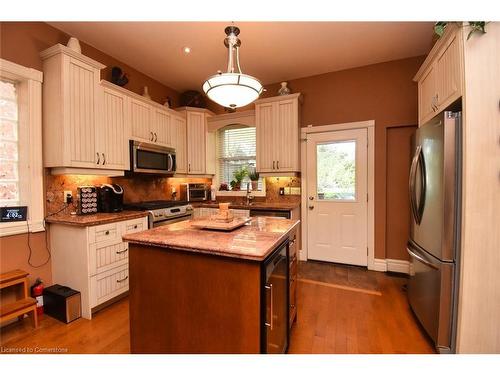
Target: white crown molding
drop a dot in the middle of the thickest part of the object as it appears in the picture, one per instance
(17, 72)
(60, 49)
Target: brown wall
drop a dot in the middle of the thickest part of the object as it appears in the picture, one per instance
(398, 205)
(382, 92)
(22, 42)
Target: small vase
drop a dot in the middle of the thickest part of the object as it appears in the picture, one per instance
(146, 93)
(284, 90)
(74, 45)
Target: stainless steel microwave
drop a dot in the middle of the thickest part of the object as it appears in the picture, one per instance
(193, 192)
(152, 159)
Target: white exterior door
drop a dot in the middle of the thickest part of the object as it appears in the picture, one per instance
(337, 196)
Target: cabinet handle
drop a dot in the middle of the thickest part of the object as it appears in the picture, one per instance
(152, 136)
(156, 137)
(270, 288)
(121, 252)
(135, 226)
(437, 101)
(278, 164)
(189, 167)
(106, 233)
(122, 280)
(98, 158)
(274, 164)
(103, 158)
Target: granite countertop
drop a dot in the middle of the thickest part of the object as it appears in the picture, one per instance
(94, 219)
(253, 241)
(253, 206)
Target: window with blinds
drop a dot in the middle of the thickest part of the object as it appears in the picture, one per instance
(9, 155)
(236, 149)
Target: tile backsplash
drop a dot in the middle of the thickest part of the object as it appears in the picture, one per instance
(140, 188)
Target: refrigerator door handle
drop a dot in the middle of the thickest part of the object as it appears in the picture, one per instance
(419, 258)
(411, 184)
(423, 184)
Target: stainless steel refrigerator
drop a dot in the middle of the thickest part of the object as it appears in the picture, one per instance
(435, 191)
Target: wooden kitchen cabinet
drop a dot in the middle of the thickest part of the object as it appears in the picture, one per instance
(115, 132)
(440, 77)
(196, 139)
(71, 109)
(93, 259)
(278, 127)
(179, 142)
(141, 119)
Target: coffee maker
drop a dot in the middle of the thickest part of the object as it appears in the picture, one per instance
(110, 198)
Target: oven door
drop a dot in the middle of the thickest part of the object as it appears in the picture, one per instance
(173, 220)
(150, 158)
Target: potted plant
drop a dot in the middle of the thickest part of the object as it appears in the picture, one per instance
(253, 175)
(239, 175)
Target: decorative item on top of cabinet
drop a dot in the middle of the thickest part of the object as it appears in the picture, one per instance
(73, 115)
(74, 44)
(118, 77)
(277, 120)
(440, 78)
(284, 89)
(145, 93)
(200, 147)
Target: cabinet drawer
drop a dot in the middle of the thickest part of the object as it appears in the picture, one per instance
(105, 232)
(109, 284)
(107, 256)
(136, 225)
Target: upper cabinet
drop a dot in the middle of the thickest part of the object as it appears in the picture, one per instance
(196, 140)
(115, 130)
(278, 127)
(150, 122)
(179, 138)
(71, 109)
(440, 77)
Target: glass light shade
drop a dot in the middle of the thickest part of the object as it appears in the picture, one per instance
(232, 89)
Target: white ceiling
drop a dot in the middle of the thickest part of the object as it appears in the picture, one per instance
(271, 51)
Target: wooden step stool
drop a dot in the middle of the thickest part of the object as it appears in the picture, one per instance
(22, 306)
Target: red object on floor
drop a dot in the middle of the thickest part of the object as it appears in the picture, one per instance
(37, 293)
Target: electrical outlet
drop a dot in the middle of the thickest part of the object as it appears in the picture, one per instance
(68, 196)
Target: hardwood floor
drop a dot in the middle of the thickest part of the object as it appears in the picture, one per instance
(342, 309)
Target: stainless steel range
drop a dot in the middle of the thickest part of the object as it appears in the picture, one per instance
(163, 212)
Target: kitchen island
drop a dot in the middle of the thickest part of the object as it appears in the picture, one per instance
(201, 291)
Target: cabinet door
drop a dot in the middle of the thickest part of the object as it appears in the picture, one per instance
(179, 143)
(81, 86)
(140, 114)
(448, 74)
(287, 136)
(114, 132)
(196, 146)
(426, 95)
(162, 128)
(264, 120)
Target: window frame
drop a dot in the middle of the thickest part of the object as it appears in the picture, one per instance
(217, 177)
(29, 90)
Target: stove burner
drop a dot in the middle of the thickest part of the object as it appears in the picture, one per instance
(153, 205)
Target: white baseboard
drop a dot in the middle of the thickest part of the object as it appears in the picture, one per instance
(392, 265)
(396, 265)
(379, 265)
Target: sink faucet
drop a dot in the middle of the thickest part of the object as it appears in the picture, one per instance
(249, 195)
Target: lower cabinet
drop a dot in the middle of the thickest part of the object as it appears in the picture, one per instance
(93, 260)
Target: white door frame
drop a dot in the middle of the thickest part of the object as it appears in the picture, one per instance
(370, 127)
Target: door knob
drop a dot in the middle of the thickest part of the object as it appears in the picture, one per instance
(311, 198)
(311, 207)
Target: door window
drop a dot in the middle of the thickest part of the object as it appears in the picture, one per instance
(336, 170)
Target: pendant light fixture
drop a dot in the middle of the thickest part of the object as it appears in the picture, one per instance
(232, 89)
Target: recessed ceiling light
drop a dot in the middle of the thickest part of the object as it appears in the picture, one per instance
(187, 50)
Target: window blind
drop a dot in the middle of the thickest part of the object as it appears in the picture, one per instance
(236, 148)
